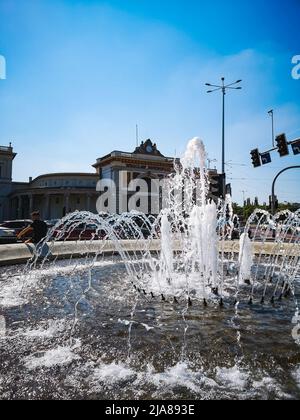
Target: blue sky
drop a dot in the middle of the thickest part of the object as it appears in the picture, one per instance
(82, 74)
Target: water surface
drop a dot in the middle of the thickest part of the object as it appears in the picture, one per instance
(67, 340)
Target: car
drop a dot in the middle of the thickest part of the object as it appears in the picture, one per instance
(81, 232)
(7, 236)
(17, 226)
(51, 223)
(134, 227)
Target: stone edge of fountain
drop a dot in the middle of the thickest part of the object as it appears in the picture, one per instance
(14, 254)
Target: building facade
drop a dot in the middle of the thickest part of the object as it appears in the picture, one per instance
(146, 163)
(54, 195)
(58, 194)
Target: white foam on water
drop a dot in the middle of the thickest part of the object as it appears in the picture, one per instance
(68, 269)
(266, 382)
(55, 357)
(178, 375)
(45, 330)
(112, 373)
(125, 322)
(14, 289)
(147, 327)
(116, 375)
(269, 385)
(2, 327)
(296, 376)
(232, 377)
(117, 378)
(11, 291)
(128, 323)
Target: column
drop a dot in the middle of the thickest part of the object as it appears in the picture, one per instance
(19, 207)
(46, 206)
(88, 202)
(30, 196)
(67, 202)
(12, 209)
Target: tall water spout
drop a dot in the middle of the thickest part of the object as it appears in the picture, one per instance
(166, 261)
(245, 257)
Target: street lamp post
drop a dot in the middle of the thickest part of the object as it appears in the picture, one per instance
(271, 113)
(223, 88)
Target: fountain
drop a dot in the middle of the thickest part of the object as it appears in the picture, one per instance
(162, 307)
(187, 253)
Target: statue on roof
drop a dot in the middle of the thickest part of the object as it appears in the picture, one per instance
(148, 148)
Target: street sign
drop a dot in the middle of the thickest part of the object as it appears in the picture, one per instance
(266, 158)
(296, 147)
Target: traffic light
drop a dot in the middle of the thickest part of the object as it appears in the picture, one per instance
(296, 147)
(255, 156)
(282, 145)
(228, 189)
(276, 202)
(216, 185)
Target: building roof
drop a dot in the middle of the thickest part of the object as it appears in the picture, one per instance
(70, 174)
(33, 187)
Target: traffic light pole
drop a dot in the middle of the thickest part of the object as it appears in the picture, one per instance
(256, 154)
(223, 130)
(274, 183)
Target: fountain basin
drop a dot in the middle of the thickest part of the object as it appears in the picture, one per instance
(125, 347)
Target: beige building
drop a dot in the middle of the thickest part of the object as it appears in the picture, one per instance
(54, 195)
(146, 162)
